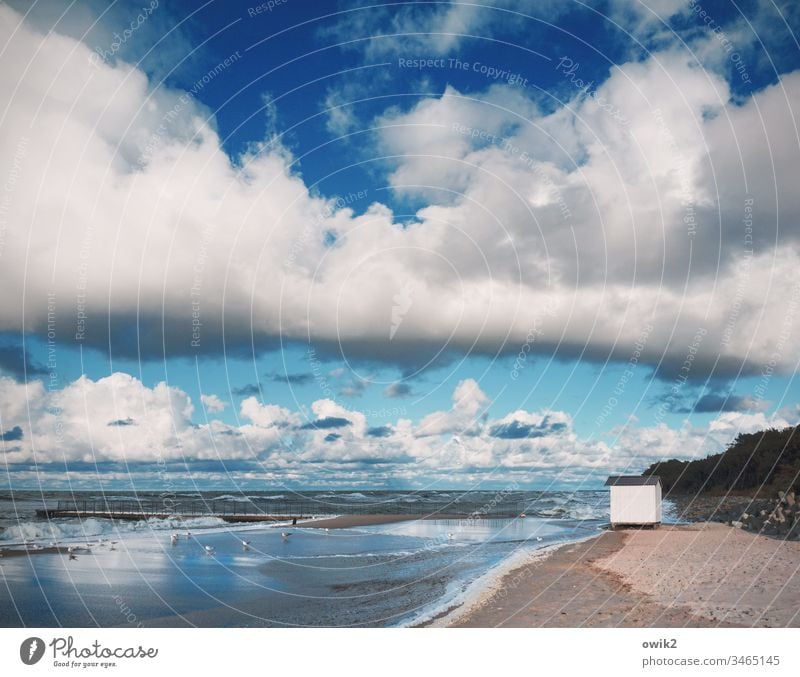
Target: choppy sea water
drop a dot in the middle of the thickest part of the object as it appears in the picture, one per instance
(132, 573)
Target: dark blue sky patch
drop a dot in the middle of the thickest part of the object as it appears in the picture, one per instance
(16, 361)
(719, 402)
(712, 402)
(398, 390)
(13, 435)
(212, 466)
(380, 431)
(122, 422)
(332, 437)
(520, 431)
(298, 379)
(329, 239)
(248, 390)
(89, 467)
(514, 431)
(325, 423)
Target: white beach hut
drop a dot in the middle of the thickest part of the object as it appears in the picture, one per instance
(635, 500)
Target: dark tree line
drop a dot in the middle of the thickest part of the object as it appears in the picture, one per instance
(755, 463)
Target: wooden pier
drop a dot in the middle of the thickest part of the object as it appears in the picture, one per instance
(258, 510)
(138, 516)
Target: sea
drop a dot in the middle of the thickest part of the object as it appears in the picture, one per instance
(203, 571)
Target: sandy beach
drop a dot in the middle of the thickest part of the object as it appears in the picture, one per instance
(698, 575)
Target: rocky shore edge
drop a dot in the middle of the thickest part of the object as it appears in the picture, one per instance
(777, 517)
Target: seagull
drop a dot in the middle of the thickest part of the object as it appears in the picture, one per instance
(174, 538)
(538, 538)
(70, 549)
(285, 535)
(209, 550)
(188, 534)
(450, 535)
(245, 544)
(71, 556)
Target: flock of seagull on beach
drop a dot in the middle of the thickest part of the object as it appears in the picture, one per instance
(210, 550)
(72, 550)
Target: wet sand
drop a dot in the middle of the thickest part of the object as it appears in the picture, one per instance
(699, 575)
(22, 552)
(350, 521)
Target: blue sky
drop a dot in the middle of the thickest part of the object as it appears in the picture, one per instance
(417, 244)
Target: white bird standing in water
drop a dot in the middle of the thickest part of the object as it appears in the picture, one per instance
(174, 538)
(209, 550)
(245, 545)
(285, 535)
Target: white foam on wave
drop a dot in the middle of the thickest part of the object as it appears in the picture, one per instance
(388, 554)
(571, 509)
(342, 498)
(588, 512)
(77, 530)
(669, 512)
(397, 554)
(68, 531)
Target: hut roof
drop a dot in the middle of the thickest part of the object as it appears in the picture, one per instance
(632, 480)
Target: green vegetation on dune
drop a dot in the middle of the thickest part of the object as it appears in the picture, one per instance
(755, 464)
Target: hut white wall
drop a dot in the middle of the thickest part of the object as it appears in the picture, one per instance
(635, 504)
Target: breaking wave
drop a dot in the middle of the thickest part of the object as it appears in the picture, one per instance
(71, 529)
